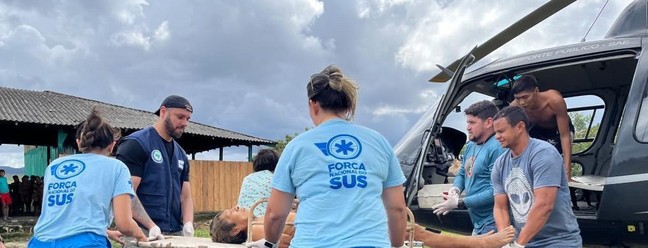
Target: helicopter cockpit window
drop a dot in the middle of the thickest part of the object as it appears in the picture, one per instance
(457, 119)
(641, 129)
(586, 113)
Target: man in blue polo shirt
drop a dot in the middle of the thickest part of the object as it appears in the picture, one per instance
(474, 177)
(160, 171)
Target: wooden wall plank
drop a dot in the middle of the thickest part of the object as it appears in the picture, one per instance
(215, 185)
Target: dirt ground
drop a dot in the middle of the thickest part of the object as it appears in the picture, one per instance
(201, 226)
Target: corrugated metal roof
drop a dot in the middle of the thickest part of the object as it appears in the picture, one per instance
(52, 108)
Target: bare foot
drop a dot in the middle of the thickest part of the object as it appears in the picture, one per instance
(496, 240)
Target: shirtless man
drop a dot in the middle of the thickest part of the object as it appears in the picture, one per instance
(231, 226)
(547, 112)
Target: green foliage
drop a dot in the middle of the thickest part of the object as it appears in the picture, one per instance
(281, 144)
(581, 122)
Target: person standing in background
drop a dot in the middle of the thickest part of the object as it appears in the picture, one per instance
(5, 197)
(258, 185)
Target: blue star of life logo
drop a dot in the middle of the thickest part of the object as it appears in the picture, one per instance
(68, 168)
(343, 146)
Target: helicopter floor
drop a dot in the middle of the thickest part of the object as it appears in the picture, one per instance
(588, 182)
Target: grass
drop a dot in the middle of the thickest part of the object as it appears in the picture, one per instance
(202, 233)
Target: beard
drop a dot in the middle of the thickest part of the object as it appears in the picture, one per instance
(171, 130)
(473, 138)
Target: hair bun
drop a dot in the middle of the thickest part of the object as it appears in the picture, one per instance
(335, 77)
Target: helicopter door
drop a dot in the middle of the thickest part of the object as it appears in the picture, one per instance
(433, 150)
(624, 194)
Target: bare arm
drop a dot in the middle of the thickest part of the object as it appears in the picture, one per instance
(124, 219)
(562, 118)
(538, 214)
(187, 203)
(286, 235)
(501, 212)
(285, 240)
(138, 211)
(436, 240)
(277, 211)
(394, 201)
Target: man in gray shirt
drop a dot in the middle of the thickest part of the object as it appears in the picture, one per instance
(529, 184)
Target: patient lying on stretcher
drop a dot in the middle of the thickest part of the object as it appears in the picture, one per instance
(230, 226)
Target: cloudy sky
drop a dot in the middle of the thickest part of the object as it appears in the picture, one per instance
(244, 64)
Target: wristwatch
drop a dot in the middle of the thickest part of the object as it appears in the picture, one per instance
(461, 204)
(269, 244)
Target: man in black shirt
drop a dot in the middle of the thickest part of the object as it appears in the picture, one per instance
(160, 171)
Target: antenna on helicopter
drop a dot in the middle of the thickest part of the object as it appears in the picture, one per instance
(597, 16)
(530, 20)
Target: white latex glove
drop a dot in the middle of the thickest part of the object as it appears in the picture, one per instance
(513, 245)
(188, 229)
(259, 244)
(445, 207)
(155, 233)
(454, 191)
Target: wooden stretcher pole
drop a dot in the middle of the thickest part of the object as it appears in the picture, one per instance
(251, 218)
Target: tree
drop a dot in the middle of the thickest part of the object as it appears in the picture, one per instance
(281, 144)
(581, 122)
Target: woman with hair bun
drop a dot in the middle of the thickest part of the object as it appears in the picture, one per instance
(347, 179)
(82, 193)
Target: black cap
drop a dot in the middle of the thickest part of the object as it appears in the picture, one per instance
(175, 101)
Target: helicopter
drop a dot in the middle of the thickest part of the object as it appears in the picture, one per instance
(609, 76)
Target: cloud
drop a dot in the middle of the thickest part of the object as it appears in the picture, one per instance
(12, 156)
(244, 65)
(444, 33)
(141, 37)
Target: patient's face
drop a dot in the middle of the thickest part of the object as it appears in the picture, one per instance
(236, 215)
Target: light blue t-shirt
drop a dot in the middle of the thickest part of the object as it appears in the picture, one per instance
(78, 193)
(338, 171)
(255, 186)
(4, 185)
(539, 166)
(474, 179)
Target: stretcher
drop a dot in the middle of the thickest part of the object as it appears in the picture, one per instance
(195, 242)
(410, 222)
(185, 242)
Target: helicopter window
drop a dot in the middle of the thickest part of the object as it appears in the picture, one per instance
(457, 119)
(586, 113)
(642, 122)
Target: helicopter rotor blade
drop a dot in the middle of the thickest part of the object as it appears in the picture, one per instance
(517, 28)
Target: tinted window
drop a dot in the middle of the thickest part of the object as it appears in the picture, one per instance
(642, 122)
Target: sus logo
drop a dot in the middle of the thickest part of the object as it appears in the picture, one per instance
(343, 146)
(68, 169)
